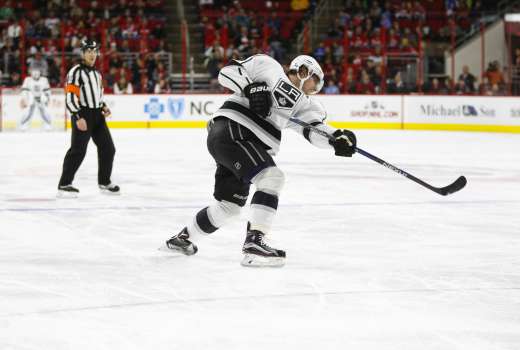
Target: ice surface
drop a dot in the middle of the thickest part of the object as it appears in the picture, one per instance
(375, 261)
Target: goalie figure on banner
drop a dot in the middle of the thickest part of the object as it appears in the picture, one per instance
(36, 94)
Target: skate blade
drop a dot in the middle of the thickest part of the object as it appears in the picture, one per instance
(66, 194)
(253, 260)
(187, 252)
(110, 193)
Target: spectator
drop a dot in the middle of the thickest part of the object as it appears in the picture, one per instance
(378, 78)
(331, 88)
(299, 5)
(14, 79)
(435, 88)
(485, 87)
(349, 87)
(6, 11)
(214, 63)
(54, 71)
(494, 74)
(365, 86)
(397, 85)
(319, 53)
(276, 46)
(111, 78)
(147, 85)
(497, 90)
(273, 22)
(38, 62)
(468, 78)
(162, 87)
(123, 86)
(215, 50)
(14, 31)
(461, 88)
(377, 56)
(517, 57)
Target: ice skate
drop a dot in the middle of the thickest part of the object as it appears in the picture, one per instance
(67, 191)
(110, 189)
(181, 243)
(258, 254)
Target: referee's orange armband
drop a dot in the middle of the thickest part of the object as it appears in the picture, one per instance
(72, 88)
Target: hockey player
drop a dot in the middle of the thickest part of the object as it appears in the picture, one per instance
(244, 135)
(36, 94)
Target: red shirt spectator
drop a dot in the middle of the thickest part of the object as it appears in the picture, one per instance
(365, 86)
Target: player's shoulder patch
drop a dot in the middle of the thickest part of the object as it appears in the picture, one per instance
(286, 95)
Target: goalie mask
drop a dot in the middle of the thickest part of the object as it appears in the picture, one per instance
(35, 74)
(313, 69)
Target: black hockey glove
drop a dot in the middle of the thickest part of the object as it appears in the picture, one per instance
(259, 98)
(344, 143)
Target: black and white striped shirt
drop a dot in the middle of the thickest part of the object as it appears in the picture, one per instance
(84, 88)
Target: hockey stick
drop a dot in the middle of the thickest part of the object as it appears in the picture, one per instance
(457, 185)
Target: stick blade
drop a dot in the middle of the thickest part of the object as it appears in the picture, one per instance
(456, 186)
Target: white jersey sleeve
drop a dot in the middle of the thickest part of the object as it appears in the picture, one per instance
(258, 68)
(312, 112)
(26, 88)
(234, 77)
(46, 88)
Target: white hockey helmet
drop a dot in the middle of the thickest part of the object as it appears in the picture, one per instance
(313, 68)
(35, 73)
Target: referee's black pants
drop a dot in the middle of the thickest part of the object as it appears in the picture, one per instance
(97, 129)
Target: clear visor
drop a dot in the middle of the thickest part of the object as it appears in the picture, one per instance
(319, 83)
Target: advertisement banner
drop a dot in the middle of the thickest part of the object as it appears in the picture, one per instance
(465, 113)
(363, 110)
(163, 107)
(461, 112)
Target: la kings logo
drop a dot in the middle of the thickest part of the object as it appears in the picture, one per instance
(286, 95)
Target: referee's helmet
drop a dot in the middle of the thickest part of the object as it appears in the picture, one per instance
(89, 44)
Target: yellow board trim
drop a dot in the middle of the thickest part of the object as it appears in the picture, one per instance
(160, 124)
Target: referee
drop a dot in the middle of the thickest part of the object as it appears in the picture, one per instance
(84, 100)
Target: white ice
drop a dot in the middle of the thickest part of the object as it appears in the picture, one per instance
(375, 261)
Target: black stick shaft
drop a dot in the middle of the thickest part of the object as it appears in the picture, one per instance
(454, 187)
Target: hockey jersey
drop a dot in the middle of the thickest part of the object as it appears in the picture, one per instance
(288, 102)
(36, 90)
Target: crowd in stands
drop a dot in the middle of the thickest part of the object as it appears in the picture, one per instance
(371, 47)
(374, 47)
(234, 29)
(35, 33)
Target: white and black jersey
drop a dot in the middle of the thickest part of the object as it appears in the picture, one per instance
(288, 101)
(84, 88)
(36, 90)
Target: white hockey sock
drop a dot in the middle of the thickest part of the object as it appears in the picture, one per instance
(269, 183)
(211, 218)
(263, 211)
